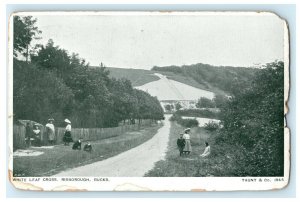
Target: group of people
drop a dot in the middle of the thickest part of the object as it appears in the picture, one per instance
(33, 137)
(68, 138)
(185, 147)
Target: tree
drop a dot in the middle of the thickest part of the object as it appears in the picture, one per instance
(25, 30)
(168, 107)
(38, 94)
(220, 100)
(178, 106)
(55, 59)
(254, 122)
(60, 85)
(204, 102)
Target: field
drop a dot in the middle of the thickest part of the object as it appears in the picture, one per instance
(63, 157)
(192, 165)
(137, 77)
(167, 89)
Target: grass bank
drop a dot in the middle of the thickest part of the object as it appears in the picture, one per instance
(216, 164)
(62, 157)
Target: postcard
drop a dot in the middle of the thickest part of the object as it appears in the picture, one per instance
(148, 101)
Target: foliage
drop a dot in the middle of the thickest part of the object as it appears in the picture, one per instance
(254, 123)
(211, 126)
(138, 77)
(169, 107)
(211, 77)
(220, 100)
(188, 123)
(39, 94)
(251, 142)
(178, 106)
(204, 102)
(204, 113)
(25, 30)
(59, 85)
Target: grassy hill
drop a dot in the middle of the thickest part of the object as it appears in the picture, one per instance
(137, 77)
(217, 79)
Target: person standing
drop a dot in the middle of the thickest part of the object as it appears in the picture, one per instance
(50, 129)
(188, 147)
(37, 136)
(180, 144)
(67, 136)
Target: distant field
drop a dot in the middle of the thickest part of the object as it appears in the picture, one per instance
(190, 81)
(183, 79)
(137, 77)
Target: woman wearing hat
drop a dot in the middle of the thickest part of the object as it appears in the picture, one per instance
(188, 147)
(67, 136)
(37, 135)
(50, 131)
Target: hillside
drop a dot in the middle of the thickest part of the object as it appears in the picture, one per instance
(137, 77)
(168, 89)
(216, 79)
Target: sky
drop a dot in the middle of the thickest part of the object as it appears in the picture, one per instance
(144, 41)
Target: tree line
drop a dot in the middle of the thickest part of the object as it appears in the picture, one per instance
(209, 76)
(253, 122)
(50, 82)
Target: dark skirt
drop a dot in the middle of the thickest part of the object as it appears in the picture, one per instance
(67, 137)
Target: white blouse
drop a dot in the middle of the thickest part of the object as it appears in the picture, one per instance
(68, 128)
(186, 136)
(206, 151)
(50, 125)
(36, 131)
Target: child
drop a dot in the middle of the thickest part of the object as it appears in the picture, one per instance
(87, 147)
(37, 136)
(188, 147)
(206, 150)
(77, 145)
(181, 144)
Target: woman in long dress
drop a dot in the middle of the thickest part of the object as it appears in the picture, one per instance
(50, 131)
(68, 136)
(37, 136)
(188, 147)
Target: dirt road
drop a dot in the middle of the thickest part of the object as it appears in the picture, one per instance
(132, 163)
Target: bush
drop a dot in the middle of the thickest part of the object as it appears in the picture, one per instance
(211, 126)
(204, 102)
(188, 123)
(205, 113)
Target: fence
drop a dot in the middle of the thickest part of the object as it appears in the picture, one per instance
(87, 134)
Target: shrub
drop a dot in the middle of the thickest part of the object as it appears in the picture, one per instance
(211, 126)
(205, 113)
(189, 123)
(204, 102)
